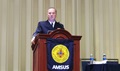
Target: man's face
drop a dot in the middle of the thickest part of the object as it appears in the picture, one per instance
(51, 14)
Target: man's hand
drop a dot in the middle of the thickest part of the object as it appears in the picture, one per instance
(33, 40)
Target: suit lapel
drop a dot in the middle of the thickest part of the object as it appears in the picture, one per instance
(48, 25)
(56, 25)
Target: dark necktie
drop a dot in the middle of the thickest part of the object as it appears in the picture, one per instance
(52, 24)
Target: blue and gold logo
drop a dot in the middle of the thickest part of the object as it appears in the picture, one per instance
(60, 53)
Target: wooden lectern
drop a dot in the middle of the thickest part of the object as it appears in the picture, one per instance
(40, 53)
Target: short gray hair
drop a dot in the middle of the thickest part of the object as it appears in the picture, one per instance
(52, 8)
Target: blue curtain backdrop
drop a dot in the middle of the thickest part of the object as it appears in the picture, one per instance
(50, 61)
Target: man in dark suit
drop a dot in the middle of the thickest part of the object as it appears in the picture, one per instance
(51, 24)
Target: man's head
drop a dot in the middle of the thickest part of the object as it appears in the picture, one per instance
(52, 14)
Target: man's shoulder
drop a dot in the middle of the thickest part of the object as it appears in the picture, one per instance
(42, 21)
(59, 23)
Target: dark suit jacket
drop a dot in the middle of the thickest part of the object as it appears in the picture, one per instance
(44, 27)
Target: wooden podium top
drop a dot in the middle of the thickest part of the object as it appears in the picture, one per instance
(56, 34)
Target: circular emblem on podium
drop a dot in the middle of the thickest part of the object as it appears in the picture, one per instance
(60, 53)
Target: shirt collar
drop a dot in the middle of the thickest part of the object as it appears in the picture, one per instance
(52, 22)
